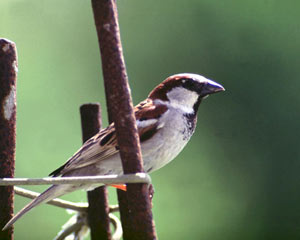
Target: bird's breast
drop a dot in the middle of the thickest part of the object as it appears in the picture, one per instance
(169, 140)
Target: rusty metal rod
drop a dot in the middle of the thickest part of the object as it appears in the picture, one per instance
(98, 210)
(8, 78)
(138, 223)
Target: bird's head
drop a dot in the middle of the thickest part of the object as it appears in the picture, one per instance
(185, 91)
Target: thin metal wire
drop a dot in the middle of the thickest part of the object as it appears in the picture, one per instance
(96, 180)
(75, 227)
(118, 227)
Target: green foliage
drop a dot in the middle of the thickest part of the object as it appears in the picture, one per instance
(238, 177)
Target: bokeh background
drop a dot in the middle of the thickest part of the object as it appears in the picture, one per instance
(238, 178)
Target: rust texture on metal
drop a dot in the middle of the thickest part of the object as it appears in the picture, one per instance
(124, 212)
(8, 78)
(98, 209)
(138, 222)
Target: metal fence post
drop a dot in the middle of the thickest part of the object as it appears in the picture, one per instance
(98, 209)
(8, 78)
(138, 224)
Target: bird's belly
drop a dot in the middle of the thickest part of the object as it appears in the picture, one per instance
(160, 151)
(156, 153)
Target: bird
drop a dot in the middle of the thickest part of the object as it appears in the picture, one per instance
(166, 120)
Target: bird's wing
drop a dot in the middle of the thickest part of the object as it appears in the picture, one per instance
(99, 147)
(104, 144)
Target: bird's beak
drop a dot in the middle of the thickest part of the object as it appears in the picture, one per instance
(211, 87)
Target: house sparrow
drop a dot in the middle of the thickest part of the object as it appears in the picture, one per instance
(166, 121)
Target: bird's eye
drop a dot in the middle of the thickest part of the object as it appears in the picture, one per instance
(188, 84)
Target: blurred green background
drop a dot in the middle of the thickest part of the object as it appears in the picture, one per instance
(238, 178)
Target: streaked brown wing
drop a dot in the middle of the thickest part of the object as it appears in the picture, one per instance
(97, 148)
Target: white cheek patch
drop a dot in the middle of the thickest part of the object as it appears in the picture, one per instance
(183, 99)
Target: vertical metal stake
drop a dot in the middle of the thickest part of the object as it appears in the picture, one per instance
(138, 224)
(8, 78)
(98, 198)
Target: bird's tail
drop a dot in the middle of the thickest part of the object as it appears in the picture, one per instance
(51, 193)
